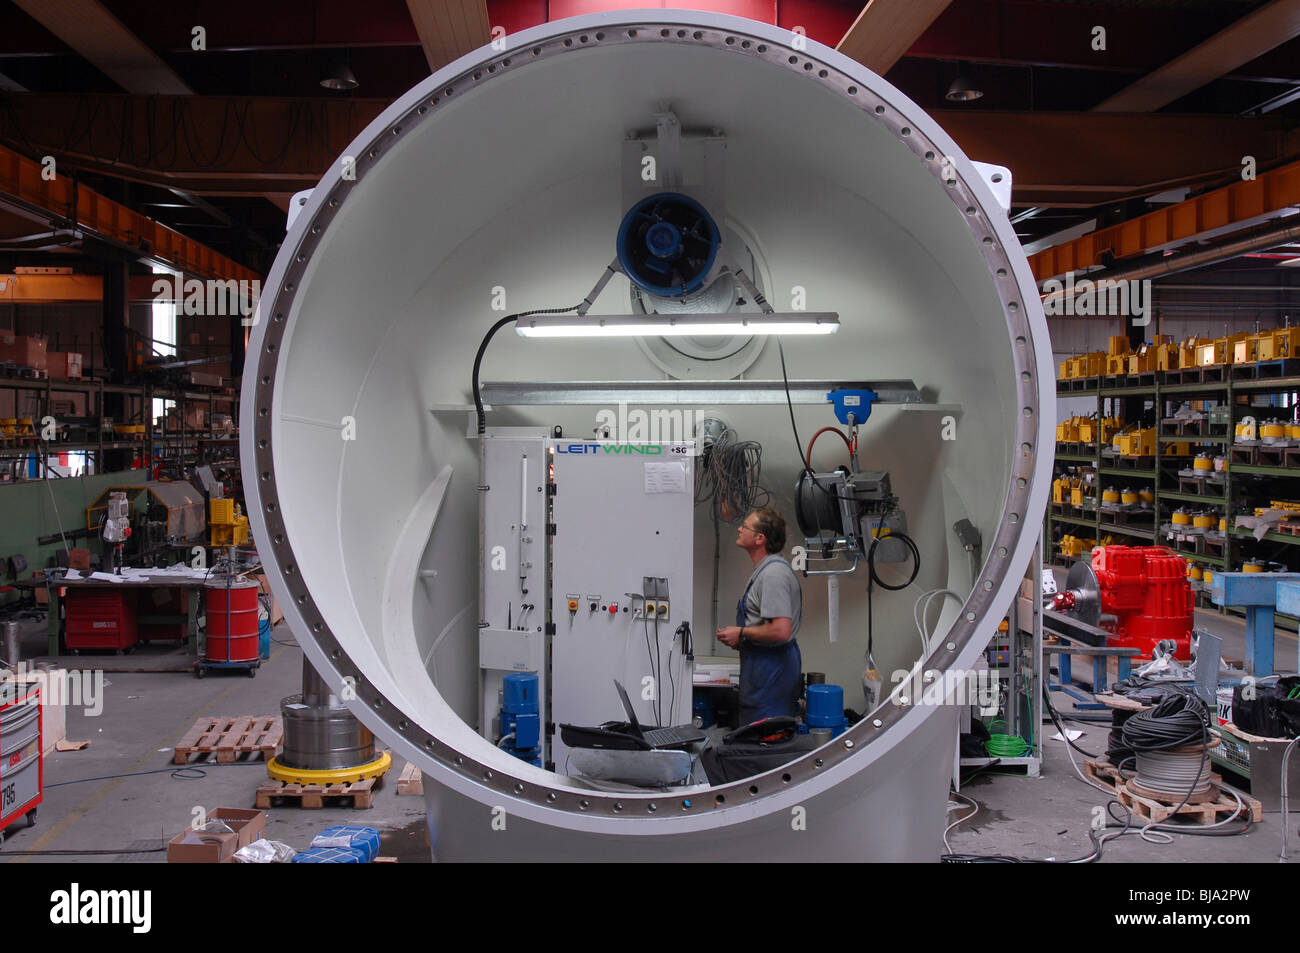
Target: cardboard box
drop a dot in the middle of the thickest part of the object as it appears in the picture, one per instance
(79, 559)
(64, 365)
(248, 824)
(23, 350)
(193, 847)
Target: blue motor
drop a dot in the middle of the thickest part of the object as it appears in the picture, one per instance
(826, 709)
(521, 723)
(667, 244)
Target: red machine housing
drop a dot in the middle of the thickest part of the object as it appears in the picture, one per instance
(1146, 589)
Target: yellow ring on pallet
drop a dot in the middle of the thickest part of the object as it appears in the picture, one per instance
(1249, 567)
(1272, 430)
(374, 769)
(1203, 463)
(1182, 519)
(1203, 522)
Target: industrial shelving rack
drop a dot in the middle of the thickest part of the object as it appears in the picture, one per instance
(1233, 385)
(177, 446)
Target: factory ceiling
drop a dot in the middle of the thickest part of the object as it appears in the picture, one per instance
(208, 116)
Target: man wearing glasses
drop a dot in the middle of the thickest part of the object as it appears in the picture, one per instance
(767, 620)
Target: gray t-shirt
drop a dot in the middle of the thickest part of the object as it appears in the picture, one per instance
(774, 594)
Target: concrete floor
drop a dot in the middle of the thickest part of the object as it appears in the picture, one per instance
(147, 711)
(144, 714)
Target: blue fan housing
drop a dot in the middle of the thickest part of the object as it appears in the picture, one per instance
(667, 244)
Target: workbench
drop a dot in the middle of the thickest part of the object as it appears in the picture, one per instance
(137, 582)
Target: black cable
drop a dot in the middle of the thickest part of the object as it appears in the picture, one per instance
(6, 852)
(176, 771)
(871, 560)
(1056, 719)
(650, 657)
(672, 704)
(482, 349)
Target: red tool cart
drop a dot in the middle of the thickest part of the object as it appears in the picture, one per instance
(21, 770)
(100, 618)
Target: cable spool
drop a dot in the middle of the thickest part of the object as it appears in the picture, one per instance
(1110, 495)
(1182, 518)
(1170, 775)
(1146, 496)
(1203, 462)
(1170, 745)
(1204, 521)
(1129, 496)
(1116, 750)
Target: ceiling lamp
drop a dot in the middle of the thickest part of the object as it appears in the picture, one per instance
(963, 88)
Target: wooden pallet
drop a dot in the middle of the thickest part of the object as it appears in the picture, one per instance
(410, 781)
(1141, 518)
(1207, 812)
(231, 739)
(1270, 456)
(1124, 462)
(313, 796)
(1243, 455)
(1217, 801)
(1202, 486)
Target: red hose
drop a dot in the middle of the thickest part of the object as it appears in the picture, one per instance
(835, 430)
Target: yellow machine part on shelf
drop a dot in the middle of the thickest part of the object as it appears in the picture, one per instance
(1118, 345)
(1187, 351)
(1274, 345)
(1076, 495)
(1139, 443)
(1245, 351)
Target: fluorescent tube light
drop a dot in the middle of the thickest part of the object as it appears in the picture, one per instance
(679, 325)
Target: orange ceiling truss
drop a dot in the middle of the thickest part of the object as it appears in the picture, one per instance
(1237, 205)
(60, 202)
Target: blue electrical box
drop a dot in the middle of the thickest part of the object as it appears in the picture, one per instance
(855, 402)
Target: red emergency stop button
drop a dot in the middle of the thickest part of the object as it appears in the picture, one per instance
(613, 610)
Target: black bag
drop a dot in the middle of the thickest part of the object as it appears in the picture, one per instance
(1257, 715)
(742, 755)
(1287, 709)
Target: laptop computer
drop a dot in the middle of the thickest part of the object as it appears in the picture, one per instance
(629, 736)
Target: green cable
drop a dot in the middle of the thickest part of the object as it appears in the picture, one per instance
(1002, 745)
(1006, 746)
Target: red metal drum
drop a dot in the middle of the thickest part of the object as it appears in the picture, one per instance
(232, 621)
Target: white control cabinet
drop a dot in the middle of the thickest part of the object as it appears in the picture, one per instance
(623, 522)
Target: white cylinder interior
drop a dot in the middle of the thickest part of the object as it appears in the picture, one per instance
(513, 181)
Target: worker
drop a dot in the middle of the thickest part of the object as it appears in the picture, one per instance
(767, 621)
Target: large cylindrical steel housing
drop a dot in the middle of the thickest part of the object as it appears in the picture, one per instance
(502, 174)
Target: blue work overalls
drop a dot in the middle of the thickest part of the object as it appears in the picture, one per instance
(770, 674)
